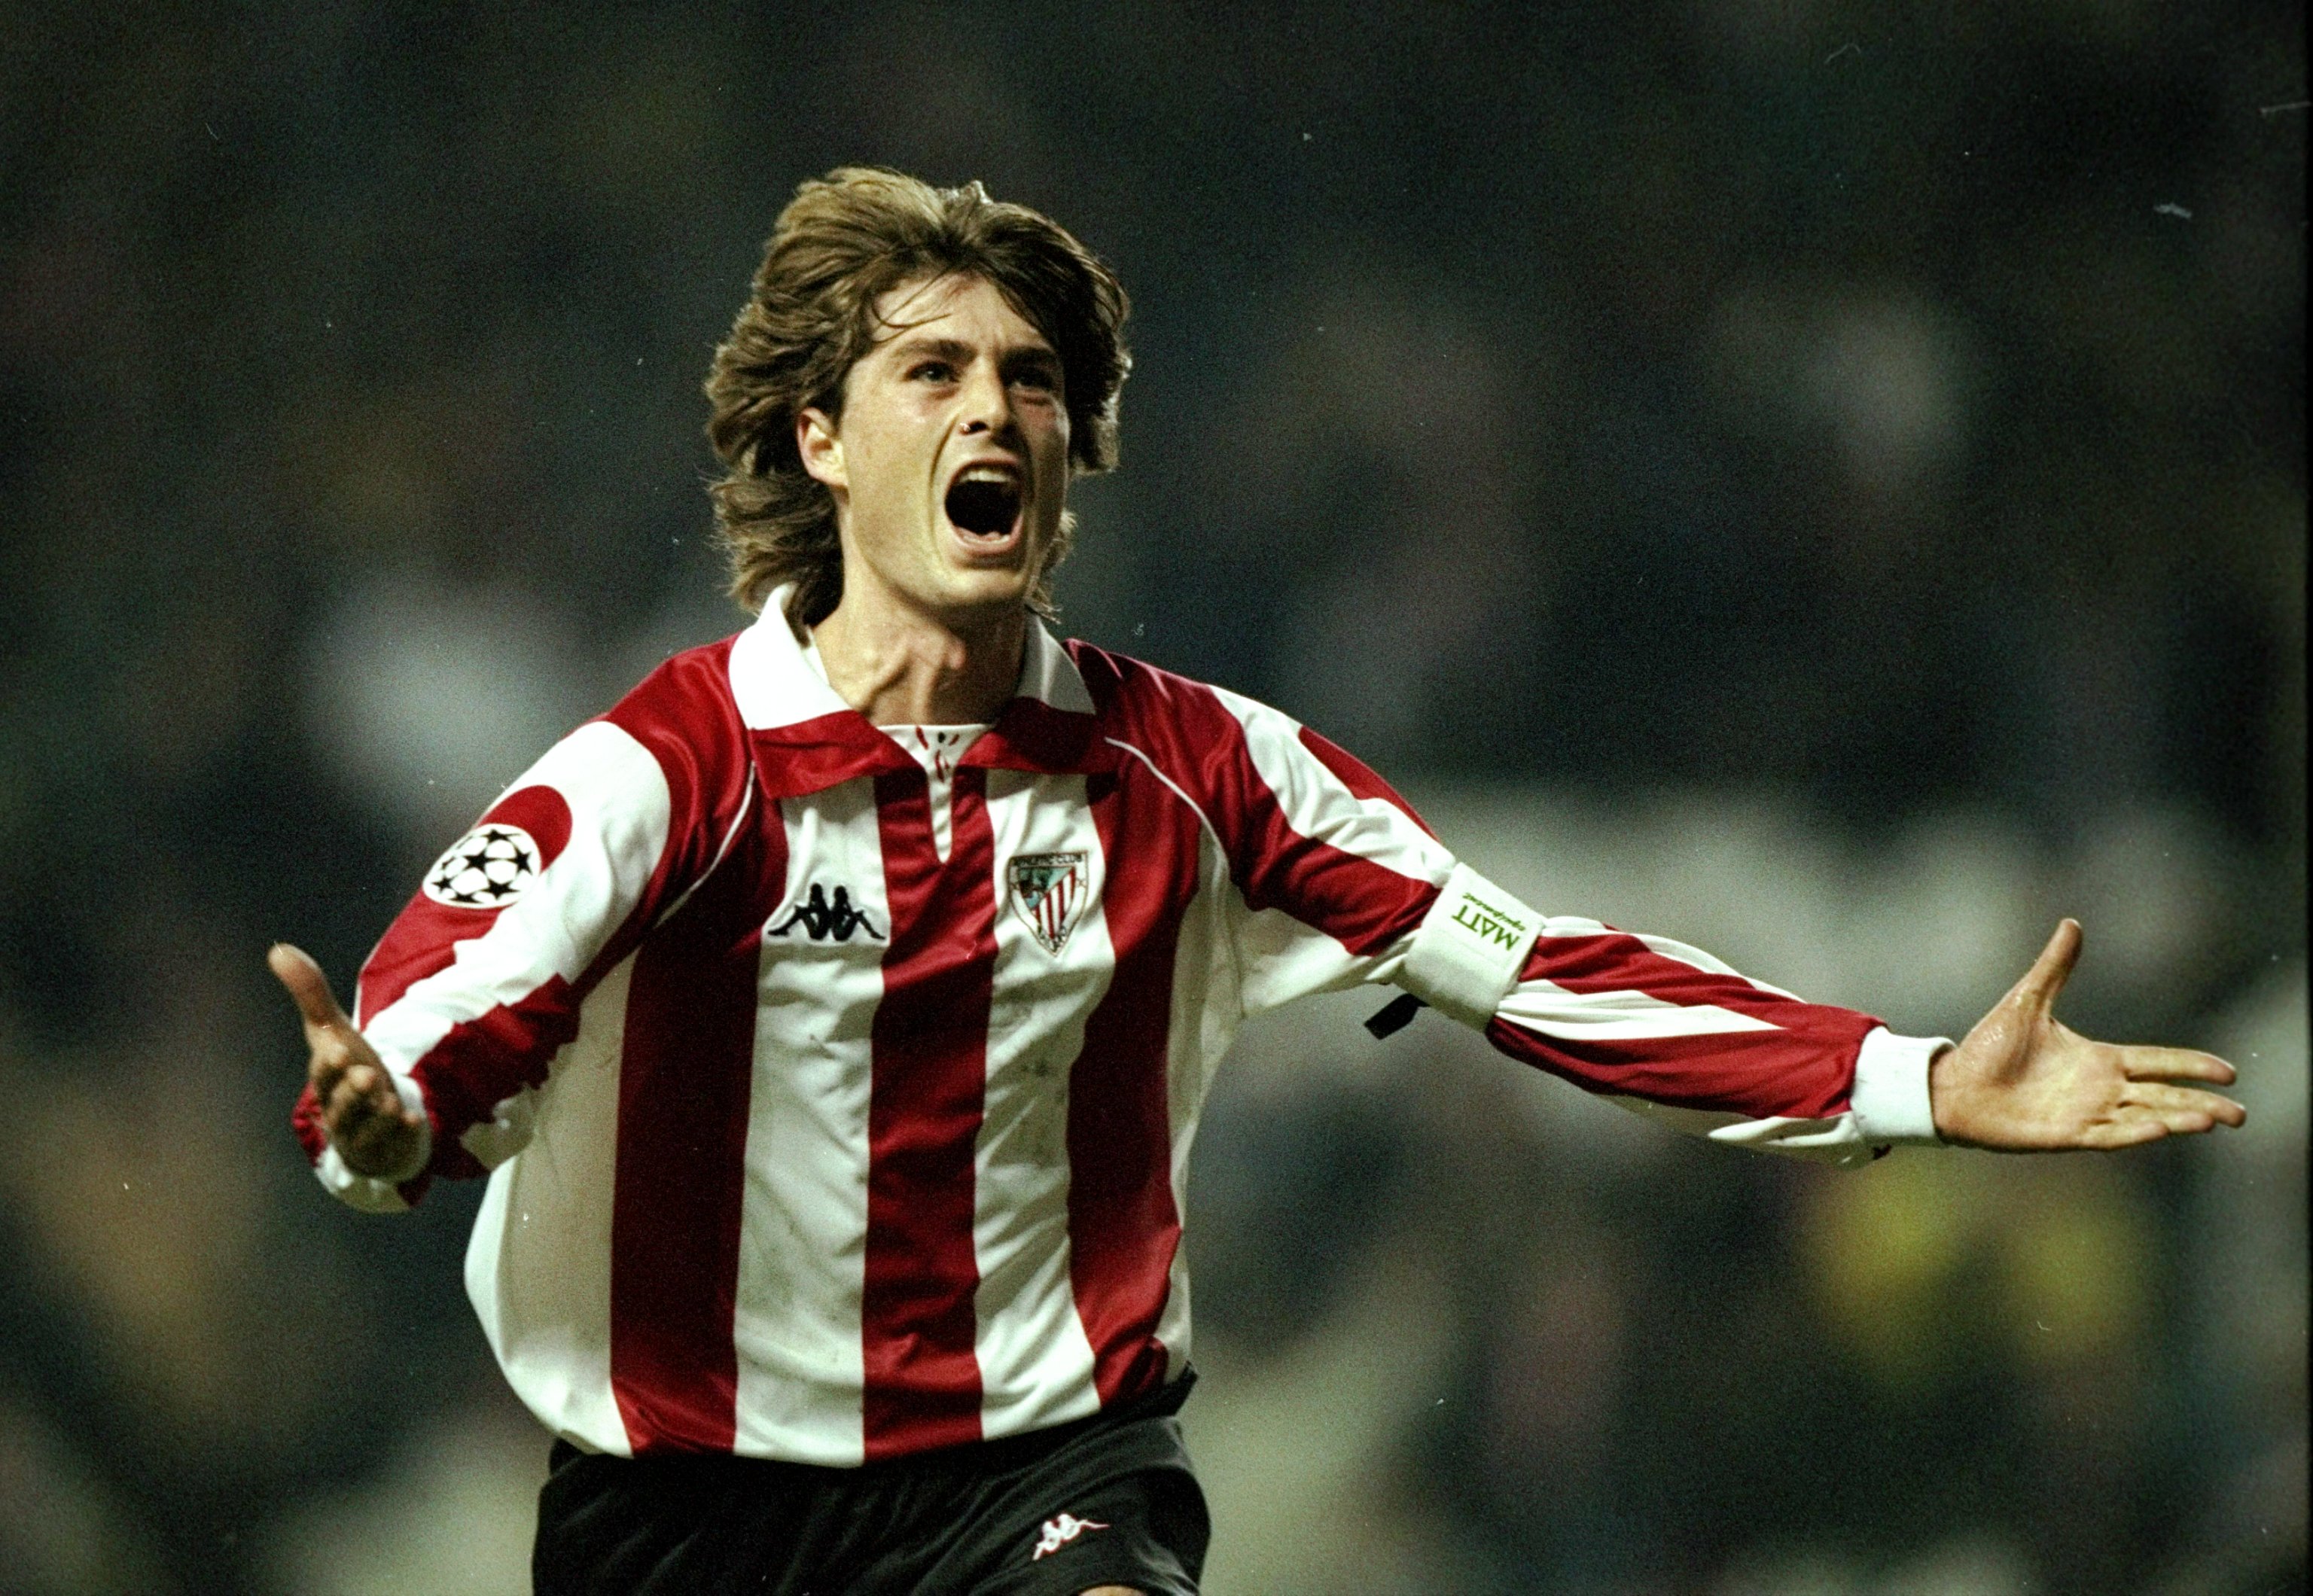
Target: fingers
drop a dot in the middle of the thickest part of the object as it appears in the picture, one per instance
(2053, 966)
(2182, 1109)
(352, 1103)
(358, 1093)
(373, 1130)
(308, 986)
(350, 1082)
(364, 1108)
(2137, 1124)
(362, 1111)
(354, 1091)
(2174, 1064)
(351, 1095)
(2129, 1131)
(2170, 1112)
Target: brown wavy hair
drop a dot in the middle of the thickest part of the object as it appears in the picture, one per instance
(843, 243)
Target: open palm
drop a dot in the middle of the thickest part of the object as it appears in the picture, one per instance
(2023, 1082)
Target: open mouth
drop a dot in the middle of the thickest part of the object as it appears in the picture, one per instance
(983, 505)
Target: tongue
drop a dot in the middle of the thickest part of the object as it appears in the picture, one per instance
(984, 509)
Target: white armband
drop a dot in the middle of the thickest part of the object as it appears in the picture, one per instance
(1466, 955)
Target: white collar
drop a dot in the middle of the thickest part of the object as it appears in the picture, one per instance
(775, 685)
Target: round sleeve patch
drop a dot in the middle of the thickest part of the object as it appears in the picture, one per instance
(489, 867)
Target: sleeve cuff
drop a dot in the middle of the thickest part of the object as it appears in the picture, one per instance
(1467, 952)
(1889, 1098)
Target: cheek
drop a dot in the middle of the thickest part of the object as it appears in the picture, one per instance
(1051, 444)
(885, 460)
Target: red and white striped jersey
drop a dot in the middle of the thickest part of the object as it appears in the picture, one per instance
(837, 1098)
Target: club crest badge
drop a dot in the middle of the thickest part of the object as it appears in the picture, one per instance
(1048, 893)
(487, 868)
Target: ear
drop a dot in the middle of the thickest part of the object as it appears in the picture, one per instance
(822, 451)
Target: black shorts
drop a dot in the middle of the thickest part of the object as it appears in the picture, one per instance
(1107, 1500)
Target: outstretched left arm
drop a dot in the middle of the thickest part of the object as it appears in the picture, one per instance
(1670, 1033)
(1339, 881)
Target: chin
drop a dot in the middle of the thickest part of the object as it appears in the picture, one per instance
(998, 581)
(967, 591)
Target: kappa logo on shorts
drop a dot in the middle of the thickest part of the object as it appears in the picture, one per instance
(487, 868)
(1047, 890)
(1058, 1531)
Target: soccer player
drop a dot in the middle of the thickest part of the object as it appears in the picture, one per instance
(832, 1015)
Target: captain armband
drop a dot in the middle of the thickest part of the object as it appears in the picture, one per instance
(1466, 955)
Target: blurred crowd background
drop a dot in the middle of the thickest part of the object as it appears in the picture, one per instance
(1821, 481)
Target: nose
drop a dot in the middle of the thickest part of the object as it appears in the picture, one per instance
(986, 402)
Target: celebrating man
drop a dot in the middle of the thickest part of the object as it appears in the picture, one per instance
(832, 1015)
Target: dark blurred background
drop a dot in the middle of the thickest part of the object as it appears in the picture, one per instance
(1823, 481)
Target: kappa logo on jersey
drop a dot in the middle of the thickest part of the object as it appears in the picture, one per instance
(1058, 1531)
(824, 919)
(1048, 889)
(487, 868)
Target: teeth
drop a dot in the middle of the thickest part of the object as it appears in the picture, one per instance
(1003, 474)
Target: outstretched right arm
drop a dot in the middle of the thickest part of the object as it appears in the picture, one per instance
(478, 984)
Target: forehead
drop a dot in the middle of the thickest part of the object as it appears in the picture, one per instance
(953, 308)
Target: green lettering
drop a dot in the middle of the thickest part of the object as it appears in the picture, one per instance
(1502, 929)
(1504, 916)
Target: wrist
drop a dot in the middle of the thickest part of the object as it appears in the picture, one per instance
(1939, 1089)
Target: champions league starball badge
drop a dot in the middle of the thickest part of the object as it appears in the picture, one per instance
(487, 868)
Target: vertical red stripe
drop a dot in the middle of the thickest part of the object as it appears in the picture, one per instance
(1122, 1226)
(930, 1078)
(683, 1088)
(1197, 740)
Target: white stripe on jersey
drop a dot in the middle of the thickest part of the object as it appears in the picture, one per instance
(1047, 673)
(1549, 1009)
(1283, 959)
(1208, 1003)
(1316, 805)
(803, 1237)
(537, 1267)
(1035, 1362)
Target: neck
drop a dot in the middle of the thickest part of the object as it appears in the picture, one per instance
(901, 666)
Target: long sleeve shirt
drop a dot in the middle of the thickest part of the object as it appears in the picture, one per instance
(836, 1099)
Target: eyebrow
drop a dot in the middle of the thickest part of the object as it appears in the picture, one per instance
(905, 348)
(955, 349)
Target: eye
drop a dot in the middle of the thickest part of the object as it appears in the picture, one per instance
(931, 371)
(1037, 379)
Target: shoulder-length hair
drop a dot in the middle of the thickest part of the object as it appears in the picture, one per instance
(843, 243)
